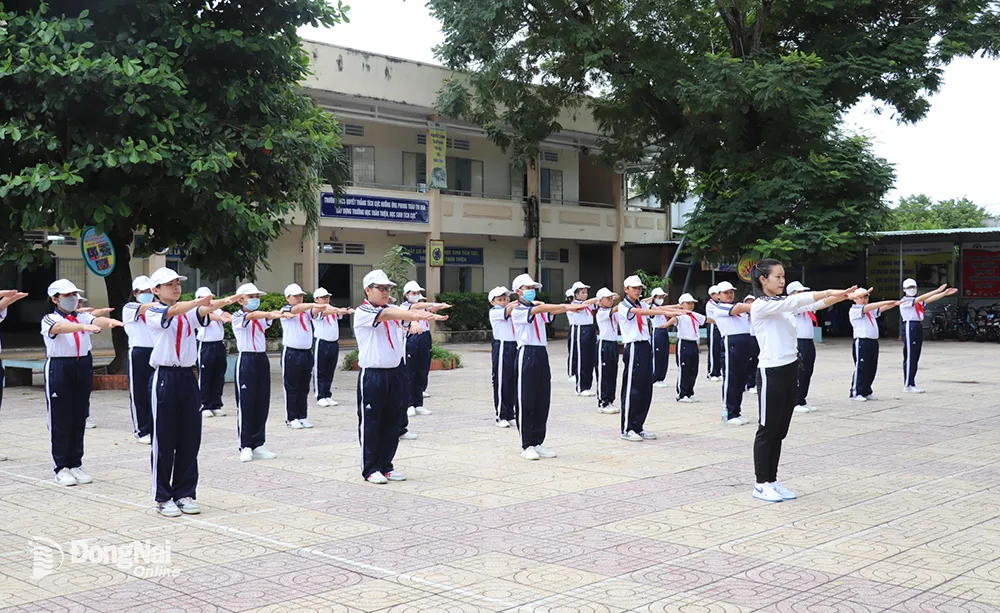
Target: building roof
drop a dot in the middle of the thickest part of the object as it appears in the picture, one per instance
(941, 233)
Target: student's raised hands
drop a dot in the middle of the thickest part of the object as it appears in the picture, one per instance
(96, 312)
(428, 316)
(853, 293)
(951, 291)
(92, 328)
(573, 308)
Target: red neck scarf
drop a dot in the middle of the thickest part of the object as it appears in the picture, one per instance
(76, 335)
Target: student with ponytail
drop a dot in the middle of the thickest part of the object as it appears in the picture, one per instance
(773, 318)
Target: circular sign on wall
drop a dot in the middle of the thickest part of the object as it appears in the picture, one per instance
(744, 267)
(98, 252)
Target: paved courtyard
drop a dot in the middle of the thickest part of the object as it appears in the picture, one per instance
(899, 506)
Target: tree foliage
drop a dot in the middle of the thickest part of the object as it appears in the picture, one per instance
(739, 101)
(182, 120)
(921, 213)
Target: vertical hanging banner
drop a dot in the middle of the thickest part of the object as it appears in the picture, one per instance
(98, 252)
(437, 136)
(437, 253)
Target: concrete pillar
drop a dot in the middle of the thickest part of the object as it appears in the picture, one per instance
(155, 262)
(432, 275)
(535, 190)
(618, 249)
(310, 260)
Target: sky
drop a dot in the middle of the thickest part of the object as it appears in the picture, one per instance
(953, 152)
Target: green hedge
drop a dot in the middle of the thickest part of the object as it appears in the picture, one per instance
(437, 353)
(469, 310)
(268, 302)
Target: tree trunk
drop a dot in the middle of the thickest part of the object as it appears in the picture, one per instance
(119, 287)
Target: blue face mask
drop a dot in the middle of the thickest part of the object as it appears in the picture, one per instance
(145, 298)
(529, 295)
(253, 304)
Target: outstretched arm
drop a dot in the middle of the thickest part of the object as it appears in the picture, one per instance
(411, 314)
(938, 294)
(883, 306)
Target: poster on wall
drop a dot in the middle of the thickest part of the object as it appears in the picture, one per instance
(931, 264)
(373, 208)
(981, 270)
(438, 167)
(98, 252)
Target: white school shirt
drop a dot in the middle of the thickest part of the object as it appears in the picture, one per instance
(804, 322)
(772, 319)
(297, 332)
(607, 323)
(727, 323)
(503, 326)
(530, 327)
(581, 318)
(326, 328)
(135, 326)
(688, 324)
(380, 344)
(213, 332)
(910, 309)
(864, 323)
(249, 333)
(634, 328)
(174, 342)
(73, 345)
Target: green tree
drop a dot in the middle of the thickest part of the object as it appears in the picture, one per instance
(739, 101)
(179, 120)
(921, 213)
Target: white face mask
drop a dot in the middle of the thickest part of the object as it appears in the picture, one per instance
(910, 291)
(69, 304)
(413, 299)
(658, 301)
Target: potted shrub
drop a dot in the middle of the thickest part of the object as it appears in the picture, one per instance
(441, 359)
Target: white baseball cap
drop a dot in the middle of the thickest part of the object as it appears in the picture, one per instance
(63, 286)
(795, 286)
(578, 285)
(320, 293)
(658, 291)
(633, 281)
(164, 275)
(376, 277)
(725, 286)
(686, 298)
(524, 280)
(412, 286)
(141, 283)
(247, 289)
(569, 293)
(202, 292)
(750, 298)
(604, 293)
(713, 290)
(294, 289)
(498, 291)
(909, 283)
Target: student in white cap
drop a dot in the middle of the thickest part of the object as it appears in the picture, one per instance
(211, 358)
(504, 354)
(253, 373)
(296, 354)
(805, 322)
(327, 333)
(773, 317)
(911, 314)
(418, 348)
(751, 384)
(607, 356)
(732, 320)
(716, 342)
(581, 328)
(534, 377)
(687, 347)
(69, 377)
(382, 382)
(7, 298)
(570, 339)
(863, 315)
(175, 396)
(661, 339)
(140, 346)
(637, 359)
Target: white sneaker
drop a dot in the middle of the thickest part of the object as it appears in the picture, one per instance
(323, 402)
(784, 492)
(331, 402)
(801, 409)
(529, 454)
(661, 384)
(422, 411)
(544, 452)
(587, 393)
(409, 436)
(90, 423)
(168, 509)
(608, 410)
(144, 440)
(503, 423)
(294, 424)
(377, 478)
(395, 475)
(631, 436)
(218, 412)
(80, 476)
(871, 397)
(647, 436)
(411, 412)
(716, 378)
(426, 395)
(859, 399)
(64, 477)
(744, 420)
(246, 454)
(766, 492)
(263, 453)
(735, 421)
(913, 389)
(571, 379)
(188, 506)
(305, 423)
(686, 399)
(3, 458)
(206, 413)
(752, 390)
